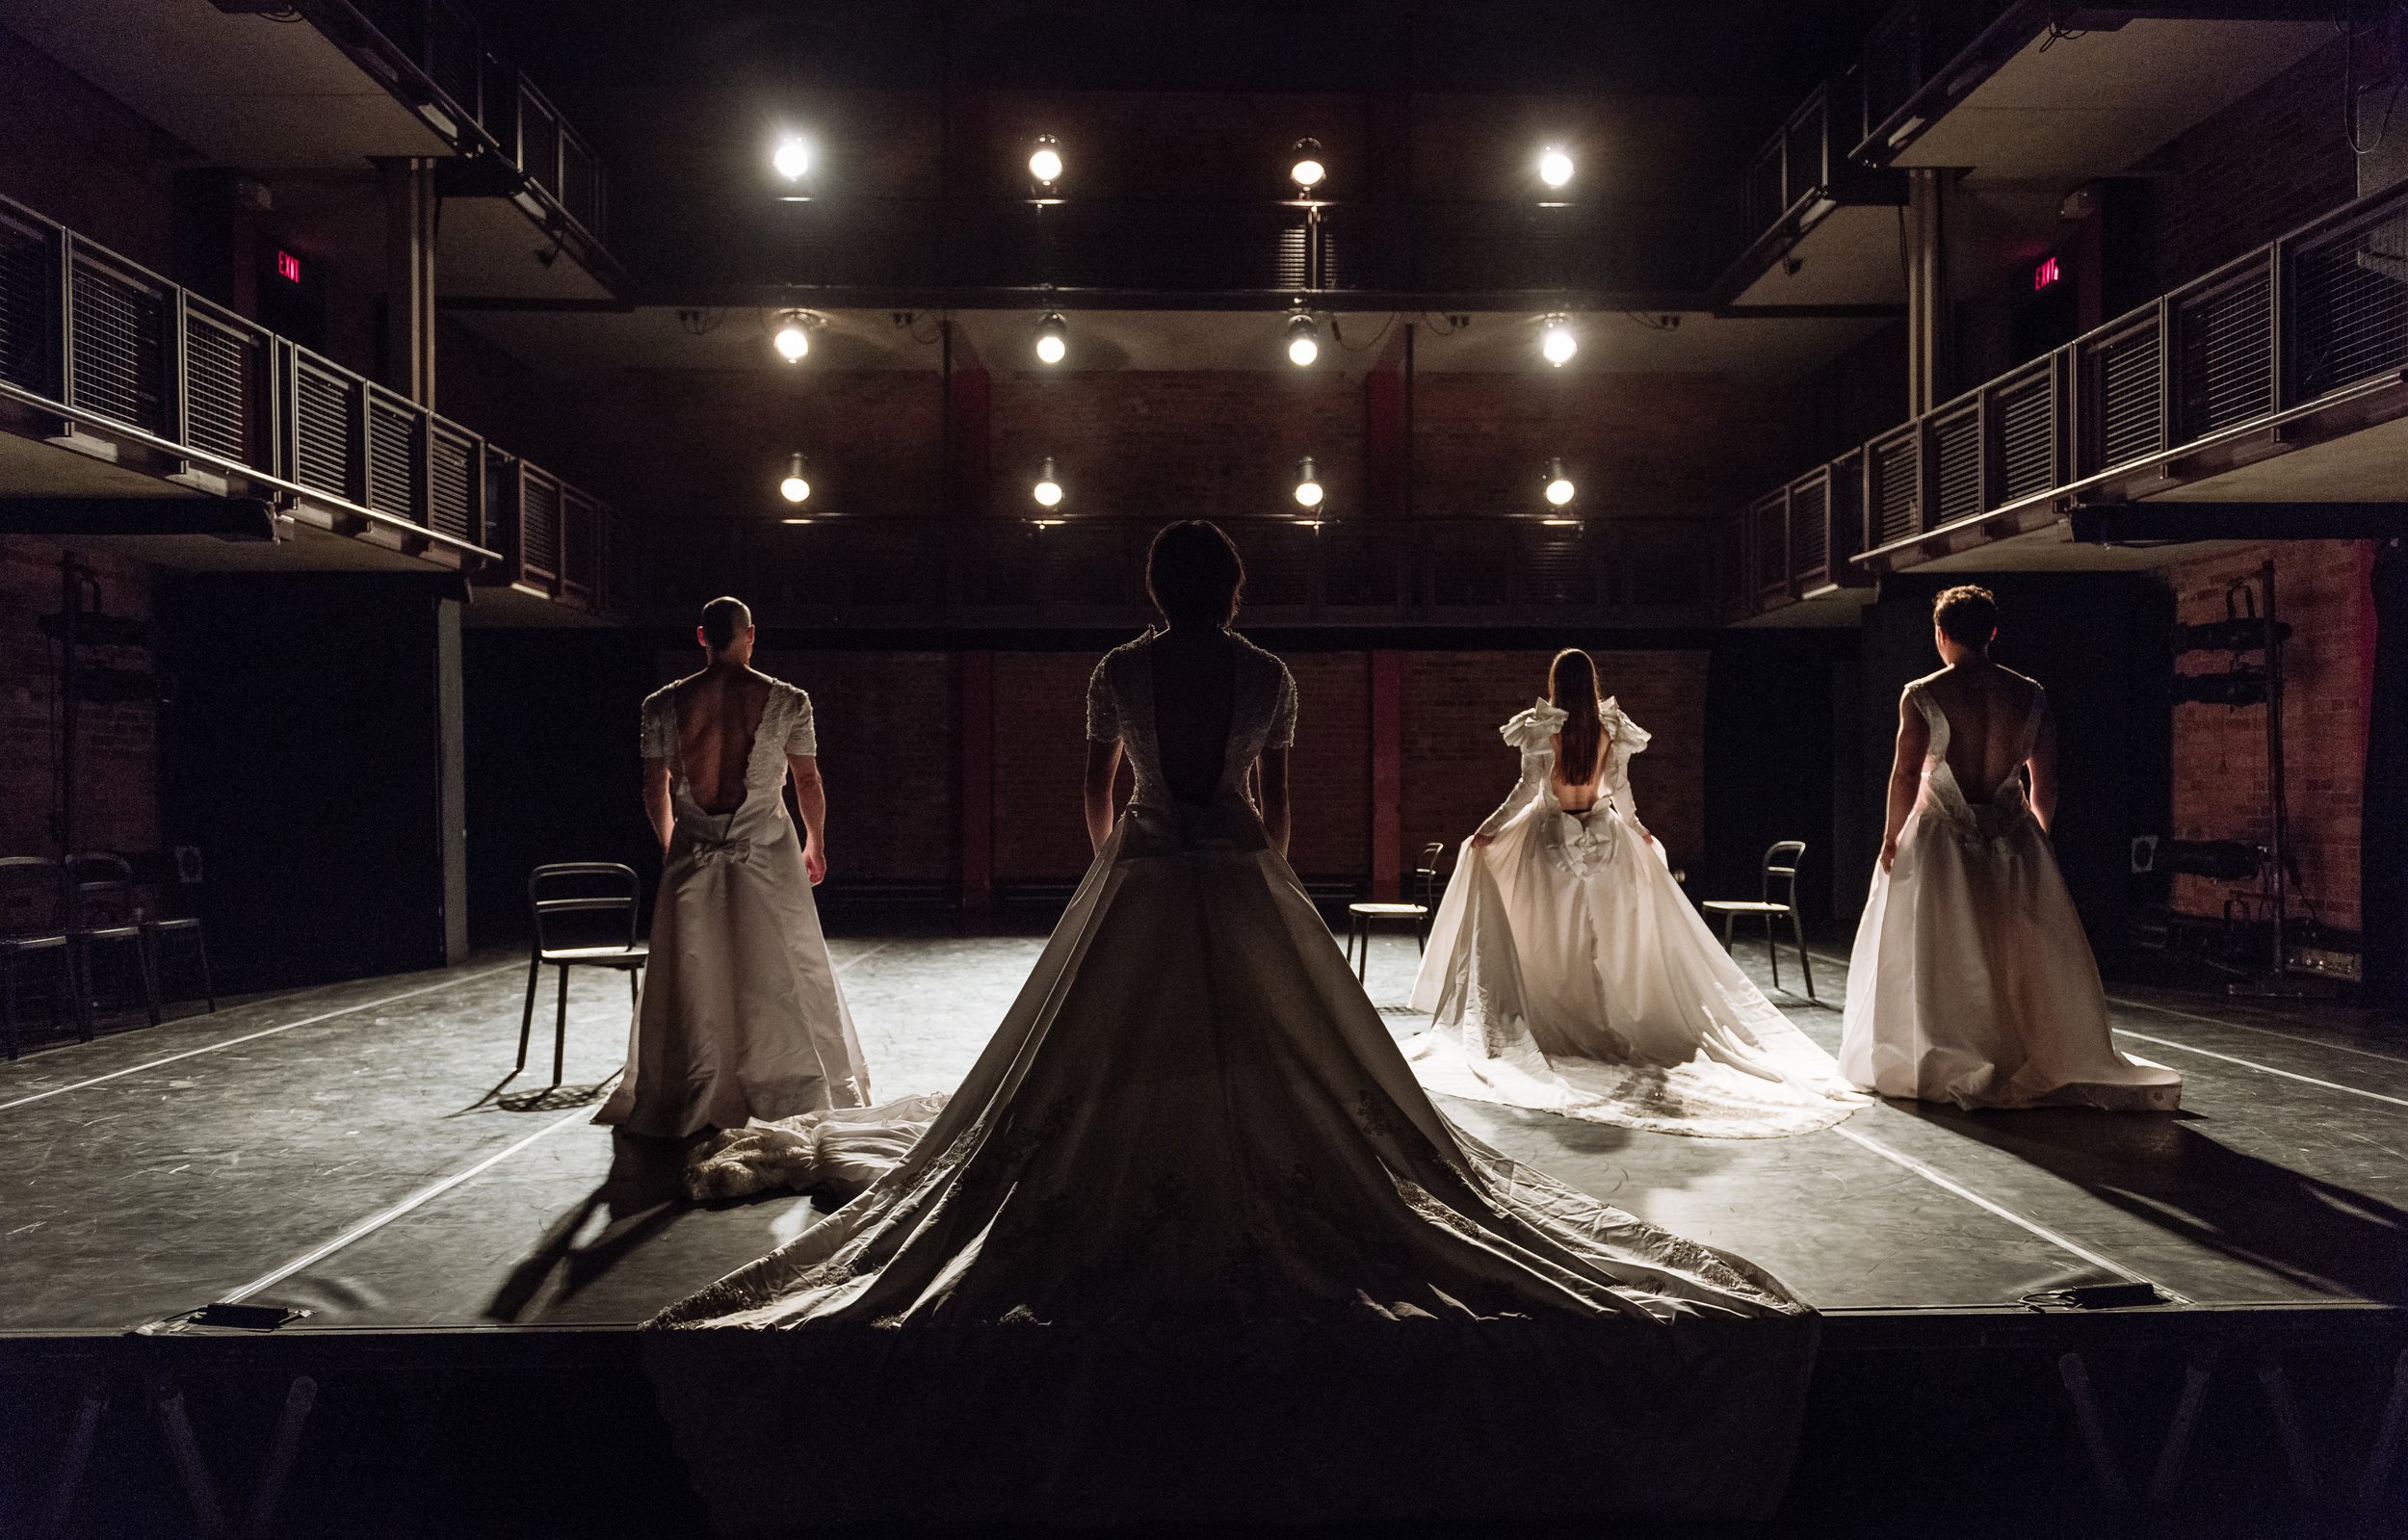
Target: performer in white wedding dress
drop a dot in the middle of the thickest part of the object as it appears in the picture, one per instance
(1193, 1122)
(1972, 981)
(1567, 972)
(740, 1016)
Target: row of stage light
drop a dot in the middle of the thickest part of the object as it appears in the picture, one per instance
(1556, 489)
(1308, 173)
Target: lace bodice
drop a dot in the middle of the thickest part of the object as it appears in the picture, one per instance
(1120, 706)
(1533, 733)
(786, 728)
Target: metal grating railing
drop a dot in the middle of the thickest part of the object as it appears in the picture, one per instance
(27, 265)
(1895, 467)
(324, 434)
(119, 359)
(1957, 466)
(2269, 335)
(2349, 302)
(452, 483)
(1810, 529)
(581, 547)
(2026, 415)
(1768, 543)
(225, 370)
(392, 459)
(2131, 389)
(538, 526)
(2227, 338)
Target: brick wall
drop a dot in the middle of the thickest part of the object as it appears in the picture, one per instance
(2274, 160)
(2219, 752)
(75, 154)
(117, 743)
(1040, 763)
(1456, 769)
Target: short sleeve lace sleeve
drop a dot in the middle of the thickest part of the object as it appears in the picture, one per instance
(1103, 715)
(657, 732)
(802, 738)
(1282, 734)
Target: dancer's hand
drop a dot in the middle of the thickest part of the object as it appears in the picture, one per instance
(1889, 855)
(1482, 842)
(815, 863)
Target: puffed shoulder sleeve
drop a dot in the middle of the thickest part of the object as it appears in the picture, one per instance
(1103, 716)
(803, 735)
(1533, 731)
(1626, 735)
(657, 729)
(1282, 734)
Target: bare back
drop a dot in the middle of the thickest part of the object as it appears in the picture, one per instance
(719, 716)
(1988, 709)
(1579, 796)
(1196, 693)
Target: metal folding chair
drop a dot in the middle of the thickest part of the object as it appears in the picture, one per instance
(1361, 914)
(103, 909)
(1781, 863)
(594, 892)
(32, 923)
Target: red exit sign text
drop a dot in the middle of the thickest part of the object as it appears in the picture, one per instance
(2046, 273)
(288, 267)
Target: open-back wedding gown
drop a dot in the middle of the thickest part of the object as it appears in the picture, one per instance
(1971, 981)
(1567, 972)
(1193, 1134)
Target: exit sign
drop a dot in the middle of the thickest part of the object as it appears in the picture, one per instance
(2046, 273)
(288, 267)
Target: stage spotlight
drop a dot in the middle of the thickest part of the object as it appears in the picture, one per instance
(1554, 167)
(1048, 488)
(1308, 169)
(1045, 163)
(1052, 340)
(1308, 485)
(1304, 343)
(1557, 342)
(792, 158)
(795, 487)
(793, 337)
(1559, 487)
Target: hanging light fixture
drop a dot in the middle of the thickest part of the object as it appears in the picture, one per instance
(1306, 167)
(1554, 167)
(1048, 488)
(1308, 485)
(1052, 339)
(1304, 343)
(795, 487)
(793, 337)
(1556, 341)
(792, 158)
(1560, 490)
(1045, 165)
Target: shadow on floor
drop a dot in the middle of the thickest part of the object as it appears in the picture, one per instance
(2318, 1235)
(642, 1194)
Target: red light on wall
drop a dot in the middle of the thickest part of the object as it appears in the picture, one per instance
(2046, 273)
(288, 267)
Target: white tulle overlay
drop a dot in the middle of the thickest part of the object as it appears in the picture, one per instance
(1193, 1122)
(740, 1016)
(1567, 972)
(1971, 981)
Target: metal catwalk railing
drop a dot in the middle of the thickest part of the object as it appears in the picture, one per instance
(1087, 570)
(116, 347)
(2322, 311)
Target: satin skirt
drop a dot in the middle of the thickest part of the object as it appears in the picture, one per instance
(1567, 972)
(740, 1015)
(1192, 1138)
(1972, 981)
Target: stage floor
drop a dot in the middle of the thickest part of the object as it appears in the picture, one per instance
(346, 1150)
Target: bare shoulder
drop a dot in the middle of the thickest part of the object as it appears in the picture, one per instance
(2024, 684)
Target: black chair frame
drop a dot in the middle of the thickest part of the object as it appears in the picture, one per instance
(629, 958)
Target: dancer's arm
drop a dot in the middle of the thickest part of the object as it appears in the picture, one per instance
(811, 801)
(2043, 767)
(1536, 768)
(1103, 763)
(656, 802)
(1274, 766)
(1907, 772)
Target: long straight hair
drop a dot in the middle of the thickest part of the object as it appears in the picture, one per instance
(1572, 690)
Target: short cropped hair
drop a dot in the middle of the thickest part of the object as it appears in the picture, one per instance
(1967, 615)
(1194, 575)
(724, 620)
